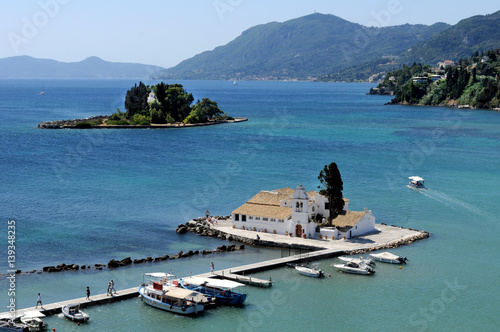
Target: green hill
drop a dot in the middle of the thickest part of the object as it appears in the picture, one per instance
(309, 46)
(477, 33)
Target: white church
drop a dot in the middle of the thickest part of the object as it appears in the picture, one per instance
(294, 212)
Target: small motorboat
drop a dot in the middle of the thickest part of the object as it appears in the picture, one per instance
(73, 312)
(309, 271)
(221, 290)
(360, 260)
(416, 182)
(355, 268)
(32, 319)
(387, 257)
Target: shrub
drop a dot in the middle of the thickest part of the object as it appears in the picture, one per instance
(84, 125)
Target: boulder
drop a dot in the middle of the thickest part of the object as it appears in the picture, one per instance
(111, 264)
(126, 261)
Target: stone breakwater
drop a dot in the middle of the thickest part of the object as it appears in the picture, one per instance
(71, 123)
(113, 263)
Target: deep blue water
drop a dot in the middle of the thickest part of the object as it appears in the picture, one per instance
(87, 196)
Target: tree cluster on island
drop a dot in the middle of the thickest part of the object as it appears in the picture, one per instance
(472, 82)
(165, 103)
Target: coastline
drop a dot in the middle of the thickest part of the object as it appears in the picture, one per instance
(73, 124)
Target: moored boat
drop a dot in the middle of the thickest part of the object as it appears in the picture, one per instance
(221, 290)
(360, 260)
(387, 257)
(33, 320)
(73, 312)
(355, 268)
(159, 292)
(309, 271)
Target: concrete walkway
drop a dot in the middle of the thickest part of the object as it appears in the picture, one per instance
(384, 235)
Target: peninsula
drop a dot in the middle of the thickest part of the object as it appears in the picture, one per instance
(158, 106)
(468, 83)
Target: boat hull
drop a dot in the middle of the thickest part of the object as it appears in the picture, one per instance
(181, 310)
(352, 270)
(309, 272)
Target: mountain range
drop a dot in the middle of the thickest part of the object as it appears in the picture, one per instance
(327, 47)
(92, 67)
(314, 47)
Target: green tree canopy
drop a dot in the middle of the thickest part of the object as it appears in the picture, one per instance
(331, 188)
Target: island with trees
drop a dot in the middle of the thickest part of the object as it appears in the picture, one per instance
(157, 106)
(468, 83)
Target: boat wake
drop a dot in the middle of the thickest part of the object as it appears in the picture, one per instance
(453, 202)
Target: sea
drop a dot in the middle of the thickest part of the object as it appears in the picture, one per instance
(89, 196)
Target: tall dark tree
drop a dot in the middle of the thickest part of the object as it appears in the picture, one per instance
(136, 100)
(331, 188)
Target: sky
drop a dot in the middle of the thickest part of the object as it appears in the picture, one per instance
(166, 32)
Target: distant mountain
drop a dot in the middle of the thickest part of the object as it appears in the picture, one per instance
(309, 46)
(92, 67)
(477, 33)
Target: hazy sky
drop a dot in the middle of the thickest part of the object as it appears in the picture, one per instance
(166, 32)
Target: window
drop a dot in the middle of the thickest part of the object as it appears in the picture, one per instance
(327, 206)
(273, 219)
(265, 219)
(250, 217)
(237, 217)
(243, 217)
(257, 218)
(281, 220)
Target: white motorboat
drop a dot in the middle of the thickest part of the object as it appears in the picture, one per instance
(355, 268)
(387, 257)
(73, 312)
(33, 320)
(309, 271)
(360, 260)
(416, 182)
(159, 292)
(221, 290)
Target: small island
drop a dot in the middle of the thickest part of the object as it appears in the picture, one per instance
(158, 106)
(467, 83)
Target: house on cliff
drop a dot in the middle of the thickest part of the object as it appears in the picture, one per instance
(296, 212)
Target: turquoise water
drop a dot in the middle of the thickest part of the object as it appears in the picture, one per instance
(87, 196)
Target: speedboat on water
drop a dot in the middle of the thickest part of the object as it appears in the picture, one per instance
(221, 290)
(309, 271)
(159, 292)
(73, 312)
(387, 257)
(360, 260)
(416, 182)
(355, 268)
(8, 325)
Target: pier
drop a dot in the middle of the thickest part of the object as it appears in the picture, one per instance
(385, 237)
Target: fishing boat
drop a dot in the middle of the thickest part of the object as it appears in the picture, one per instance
(360, 260)
(309, 271)
(355, 268)
(33, 320)
(73, 312)
(221, 290)
(159, 292)
(387, 257)
(416, 182)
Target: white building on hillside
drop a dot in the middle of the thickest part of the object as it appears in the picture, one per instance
(287, 211)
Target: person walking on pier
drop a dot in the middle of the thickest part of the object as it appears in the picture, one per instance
(212, 266)
(88, 293)
(108, 292)
(39, 300)
(112, 287)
